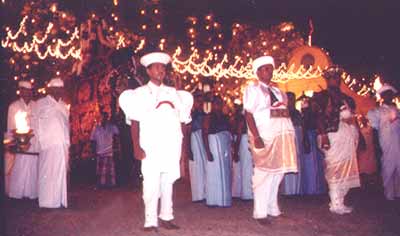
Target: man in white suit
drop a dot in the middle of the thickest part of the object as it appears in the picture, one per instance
(156, 113)
(51, 115)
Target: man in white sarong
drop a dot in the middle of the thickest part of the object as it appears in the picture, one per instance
(272, 139)
(242, 166)
(386, 119)
(51, 116)
(22, 177)
(156, 113)
(338, 138)
(197, 161)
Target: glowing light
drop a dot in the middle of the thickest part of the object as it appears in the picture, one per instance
(221, 68)
(142, 12)
(53, 8)
(21, 123)
(115, 2)
(377, 83)
(37, 43)
(309, 93)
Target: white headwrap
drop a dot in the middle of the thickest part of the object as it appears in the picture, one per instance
(56, 82)
(155, 57)
(24, 84)
(260, 61)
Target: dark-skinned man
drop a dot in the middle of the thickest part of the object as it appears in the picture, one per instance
(272, 139)
(21, 179)
(338, 139)
(51, 118)
(157, 114)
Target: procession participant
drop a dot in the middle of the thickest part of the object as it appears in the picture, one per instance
(272, 139)
(156, 114)
(291, 184)
(366, 154)
(51, 116)
(386, 119)
(312, 162)
(242, 170)
(22, 179)
(197, 161)
(338, 135)
(104, 139)
(217, 140)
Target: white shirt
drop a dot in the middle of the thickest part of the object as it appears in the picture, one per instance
(52, 122)
(160, 110)
(257, 101)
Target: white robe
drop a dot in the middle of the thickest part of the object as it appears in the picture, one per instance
(52, 119)
(386, 119)
(21, 181)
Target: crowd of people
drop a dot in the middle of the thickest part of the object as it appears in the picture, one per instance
(265, 148)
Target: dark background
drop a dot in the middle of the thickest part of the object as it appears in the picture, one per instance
(361, 36)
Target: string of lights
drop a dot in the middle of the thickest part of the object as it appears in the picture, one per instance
(55, 50)
(213, 63)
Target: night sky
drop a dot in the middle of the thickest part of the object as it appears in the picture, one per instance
(361, 36)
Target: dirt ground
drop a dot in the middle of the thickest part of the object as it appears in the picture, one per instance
(119, 212)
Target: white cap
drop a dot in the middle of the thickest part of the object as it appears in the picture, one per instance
(155, 57)
(386, 87)
(24, 84)
(56, 82)
(260, 61)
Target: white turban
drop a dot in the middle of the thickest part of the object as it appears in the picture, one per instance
(385, 88)
(56, 82)
(260, 61)
(24, 84)
(155, 57)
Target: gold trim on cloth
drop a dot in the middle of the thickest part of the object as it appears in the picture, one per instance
(341, 167)
(278, 155)
(277, 113)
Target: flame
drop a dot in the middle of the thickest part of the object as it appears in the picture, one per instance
(377, 83)
(309, 93)
(21, 122)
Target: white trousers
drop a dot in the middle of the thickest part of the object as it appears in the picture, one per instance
(157, 186)
(265, 187)
(23, 179)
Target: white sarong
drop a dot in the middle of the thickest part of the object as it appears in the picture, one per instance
(218, 185)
